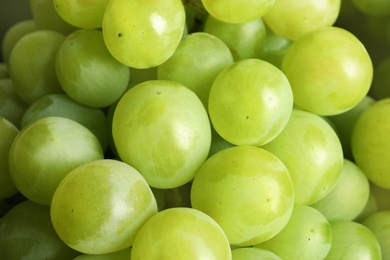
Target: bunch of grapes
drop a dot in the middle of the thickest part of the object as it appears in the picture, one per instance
(195, 129)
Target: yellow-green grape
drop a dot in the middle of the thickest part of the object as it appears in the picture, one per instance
(253, 253)
(250, 102)
(196, 62)
(307, 235)
(292, 19)
(32, 65)
(379, 224)
(81, 14)
(329, 70)
(247, 190)
(118, 255)
(312, 152)
(352, 240)
(348, 197)
(87, 71)
(143, 34)
(245, 40)
(181, 233)
(233, 11)
(373, 7)
(13, 35)
(8, 133)
(12, 107)
(370, 142)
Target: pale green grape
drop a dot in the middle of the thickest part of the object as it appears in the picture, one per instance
(379, 224)
(233, 11)
(250, 102)
(312, 152)
(46, 17)
(13, 35)
(181, 233)
(370, 142)
(143, 34)
(329, 70)
(245, 40)
(247, 190)
(45, 151)
(26, 232)
(81, 14)
(12, 107)
(118, 255)
(62, 105)
(8, 133)
(87, 71)
(253, 253)
(32, 64)
(348, 197)
(196, 63)
(106, 216)
(307, 235)
(292, 19)
(373, 7)
(352, 240)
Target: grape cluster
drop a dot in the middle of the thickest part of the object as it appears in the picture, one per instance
(195, 129)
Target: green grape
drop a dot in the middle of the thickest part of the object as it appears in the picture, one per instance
(370, 142)
(12, 107)
(345, 122)
(373, 7)
(370, 208)
(292, 19)
(32, 64)
(329, 70)
(348, 197)
(253, 253)
(13, 35)
(232, 11)
(312, 153)
(81, 14)
(8, 133)
(247, 190)
(181, 233)
(26, 232)
(245, 40)
(45, 151)
(118, 255)
(162, 129)
(143, 34)
(307, 235)
(250, 102)
(196, 63)
(46, 17)
(106, 216)
(352, 240)
(62, 105)
(379, 224)
(87, 71)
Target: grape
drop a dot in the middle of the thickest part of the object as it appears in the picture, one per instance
(247, 190)
(232, 11)
(162, 129)
(106, 216)
(333, 80)
(32, 65)
(87, 71)
(292, 19)
(8, 133)
(370, 143)
(118, 255)
(351, 240)
(45, 151)
(348, 197)
(196, 63)
(245, 40)
(26, 232)
(379, 224)
(12, 107)
(312, 153)
(86, 15)
(181, 233)
(250, 102)
(307, 235)
(370, 208)
(373, 7)
(253, 253)
(143, 34)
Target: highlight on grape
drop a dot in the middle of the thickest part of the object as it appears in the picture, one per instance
(195, 129)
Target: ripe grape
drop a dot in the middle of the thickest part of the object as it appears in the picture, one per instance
(379, 224)
(245, 253)
(12, 107)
